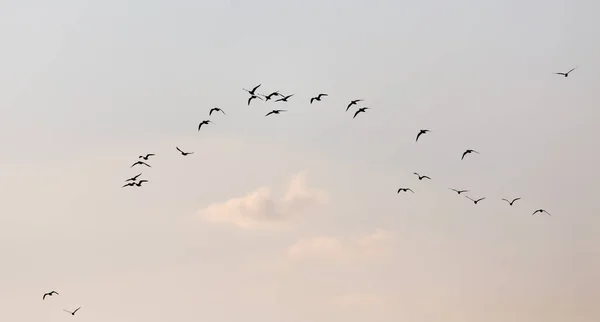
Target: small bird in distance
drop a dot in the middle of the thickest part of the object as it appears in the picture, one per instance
(253, 97)
(138, 184)
(458, 191)
(253, 90)
(317, 98)
(146, 156)
(567, 73)
(422, 177)
(183, 153)
(205, 122)
(360, 110)
(353, 103)
(468, 152)
(541, 211)
(475, 201)
(141, 163)
(275, 112)
(133, 178)
(215, 109)
(284, 98)
(49, 294)
(421, 132)
(510, 203)
(404, 190)
(73, 313)
(275, 93)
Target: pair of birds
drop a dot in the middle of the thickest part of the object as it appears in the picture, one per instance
(54, 292)
(132, 181)
(409, 189)
(206, 122)
(145, 157)
(360, 110)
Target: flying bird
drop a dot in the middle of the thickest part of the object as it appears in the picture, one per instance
(420, 133)
(146, 156)
(133, 178)
(422, 177)
(253, 90)
(205, 122)
(284, 98)
(275, 93)
(73, 313)
(275, 112)
(405, 190)
(541, 211)
(253, 97)
(360, 110)
(567, 73)
(215, 109)
(458, 191)
(140, 162)
(475, 201)
(139, 183)
(130, 184)
(511, 202)
(183, 153)
(467, 152)
(353, 103)
(49, 294)
(317, 98)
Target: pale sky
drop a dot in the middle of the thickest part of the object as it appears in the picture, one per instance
(295, 217)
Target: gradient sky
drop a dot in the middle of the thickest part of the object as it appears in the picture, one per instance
(295, 217)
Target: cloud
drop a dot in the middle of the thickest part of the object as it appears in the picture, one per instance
(259, 210)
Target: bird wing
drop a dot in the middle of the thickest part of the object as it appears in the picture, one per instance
(470, 198)
(77, 309)
(535, 212)
(416, 174)
(571, 70)
(210, 112)
(426, 177)
(560, 74)
(321, 95)
(463, 156)
(355, 114)
(547, 212)
(178, 149)
(400, 189)
(419, 134)
(506, 200)
(257, 86)
(351, 103)
(272, 112)
(475, 151)
(67, 311)
(478, 200)
(222, 111)
(143, 181)
(44, 297)
(516, 199)
(250, 99)
(149, 155)
(146, 164)
(311, 100)
(135, 164)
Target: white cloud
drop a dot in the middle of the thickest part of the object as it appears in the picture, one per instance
(259, 210)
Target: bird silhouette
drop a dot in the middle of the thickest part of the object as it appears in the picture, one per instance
(215, 109)
(275, 93)
(133, 178)
(475, 201)
(317, 98)
(422, 177)
(205, 122)
(72, 313)
(183, 153)
(146, 156)
(142, 163)
(404, 190)
(541, 211)
(130, 184)
(420, 133)
(49, 294)
(353, 103)
(458, 191)
(253, 90)
(139, 183)
(284, 98)
(253, 97)
(567, 73)
(360, 110)
(275, 112)
(511, 202)
(467, 152)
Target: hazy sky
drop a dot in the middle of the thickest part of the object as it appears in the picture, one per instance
(295, 217)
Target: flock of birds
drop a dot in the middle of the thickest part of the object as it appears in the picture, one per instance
(134, 182)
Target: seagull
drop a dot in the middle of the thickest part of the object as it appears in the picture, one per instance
(183, 153)
(147, 156)
(253, 97)
(405, 190)
(362, 109)
(130, 184)
(317, 98)
(253, 90)
(275, 112)
(421, 132)
(475, 201)
(72, 313)
(458, 191)
(139, 183)
(215, 109)
(203, 123)
(275, 93)
(49, 294)
(567, 73)
(140, 162)
(422, 177)
(467, 152)
(511, 202)
(353, 103)
(133, 178)
(540, 211)
(284, 98)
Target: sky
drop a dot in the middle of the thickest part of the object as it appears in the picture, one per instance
(295, 217)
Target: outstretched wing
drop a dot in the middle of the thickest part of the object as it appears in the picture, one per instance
(257, 86)
(77, 309)
(44, 297)
(356, 113)
(135, 164)
(426, 177)
(409, 189)
(419, 134)
(478, 200)
(272, 112)
(571, 70)
(321, 95)
(210, 112)
(311, 100)
(250, 99)
(463, 156)
(515, 200)
(560, 74)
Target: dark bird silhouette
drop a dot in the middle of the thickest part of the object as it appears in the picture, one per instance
(49, 294)
(205, 122)
(467, 152)
(458, 191)
(353, 103)
(253, 97)
(253, 90)
(275, 112)
(130, 184)
(317, 98)
(141, 162)
(541, 211)
(422, 177)
(420, 133)
(475, 201)
(183, 153)
(405, 190)
(139, 183)
(567, 73)
(284, 98)
(360, 110)
(215, 109)
(511, 202)
(72, 313)
(133, 178)
(275, 93)
(146, 156)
